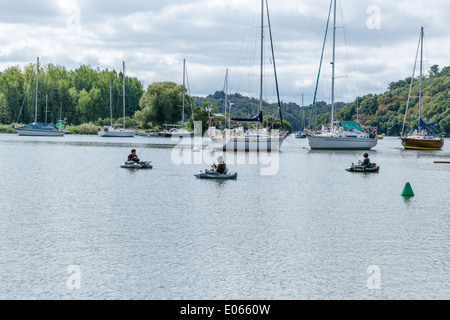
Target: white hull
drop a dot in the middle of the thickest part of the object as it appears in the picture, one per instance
(249, 144)
(341, 143)
(117, 134)
(40, 133)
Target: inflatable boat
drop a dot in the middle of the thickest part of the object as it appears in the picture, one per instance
(357, 168)
(135, 165)
(214, 175)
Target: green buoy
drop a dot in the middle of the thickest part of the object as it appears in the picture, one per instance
(407, 191)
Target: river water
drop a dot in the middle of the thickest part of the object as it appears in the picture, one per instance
(294, 225)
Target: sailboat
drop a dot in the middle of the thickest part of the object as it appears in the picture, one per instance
(109, 131)
(174, 130)
(341, 135)
(241, 138)
(39, 128)
(425, 136)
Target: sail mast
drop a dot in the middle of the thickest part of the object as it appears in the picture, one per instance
(37, 86)
(303, 110)
(274, 66)
(226, 103)
(124, 95)
(184, 82)
(46, 107)
(421, 74)
(262, 57)
(110, 102)
(333, 66)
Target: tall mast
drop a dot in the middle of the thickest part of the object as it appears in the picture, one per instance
(274, 66)
(46, 107)
(184, 83)
(262, 57)
(37, 86)
(333, 66)
(421, 73)
(226, 102)
(110, 102)
(124, 95)
(303, 110)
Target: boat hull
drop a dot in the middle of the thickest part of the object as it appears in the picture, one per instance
(216, 176)
(363, 169)
(422, 143)
(341, 143)
(134, 165)
(116, 134)
(175, 134)
(40, 133)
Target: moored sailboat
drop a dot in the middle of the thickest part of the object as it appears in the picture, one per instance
(110, 131)
(39, 128)
(425, 136)
(241, 138)
(341, 135)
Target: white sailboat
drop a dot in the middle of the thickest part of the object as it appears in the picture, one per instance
(240, 138)
(340, 135)
(39, 128)
(109, 131)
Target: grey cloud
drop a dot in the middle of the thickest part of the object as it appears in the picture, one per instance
(154, 36)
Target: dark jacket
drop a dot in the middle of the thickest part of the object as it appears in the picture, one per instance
(133, 158)
(221, 168)
(366, 162)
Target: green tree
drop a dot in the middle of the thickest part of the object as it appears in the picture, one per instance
(162, 101)
(4, 112)
(275, 123)
(434, 70)
(201, 114)
(444, 125)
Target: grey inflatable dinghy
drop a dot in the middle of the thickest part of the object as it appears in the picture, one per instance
(214, 175)
(135, 165)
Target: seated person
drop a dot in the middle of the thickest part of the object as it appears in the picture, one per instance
(221, 167)
(133, 156)
(366, 162)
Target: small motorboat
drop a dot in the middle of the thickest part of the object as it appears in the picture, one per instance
(357, 168)
(208, 174)
(136, 165)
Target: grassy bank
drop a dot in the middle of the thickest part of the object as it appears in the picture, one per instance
(84, 129)
(4, 128)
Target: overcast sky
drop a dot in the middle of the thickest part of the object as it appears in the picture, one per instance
(376, 40)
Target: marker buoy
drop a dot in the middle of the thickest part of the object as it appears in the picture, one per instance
(407, 190)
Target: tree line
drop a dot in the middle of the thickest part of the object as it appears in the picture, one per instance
(83, 95)
(387, 111)
(80, 96)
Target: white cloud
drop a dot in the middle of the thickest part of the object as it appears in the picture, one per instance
(153, 37)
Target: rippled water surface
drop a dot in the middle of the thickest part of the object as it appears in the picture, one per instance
(305, 229)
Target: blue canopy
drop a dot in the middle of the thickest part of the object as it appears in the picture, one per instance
(258, 118)
(39, 126)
